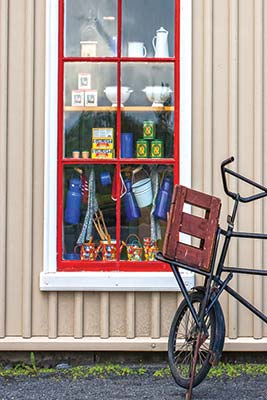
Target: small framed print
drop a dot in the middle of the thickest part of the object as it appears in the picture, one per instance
(90, 98)
(77, 98)
(88, 48)
(84, 81)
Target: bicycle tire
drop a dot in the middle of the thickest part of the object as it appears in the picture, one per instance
(181, 355)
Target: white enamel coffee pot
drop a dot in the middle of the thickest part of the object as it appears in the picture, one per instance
(160, 43)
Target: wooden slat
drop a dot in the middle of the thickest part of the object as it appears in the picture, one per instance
(78, 315)
(104, 315)
(204, 229)
(207, 96)
(130, 315)
(258, 157)
(52, 315)
(114, 109)
(3, 158)
(155, 315)
(233, 146)
(28, 170)
(193, 225)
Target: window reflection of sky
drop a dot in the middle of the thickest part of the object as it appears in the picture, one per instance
(87, 20)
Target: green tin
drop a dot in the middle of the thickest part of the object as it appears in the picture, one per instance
(157, 149)
(141, 148)
(149, 130)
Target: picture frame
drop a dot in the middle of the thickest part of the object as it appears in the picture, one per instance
(88, 48)
(84, 81)
(90, 98)
(77, 98)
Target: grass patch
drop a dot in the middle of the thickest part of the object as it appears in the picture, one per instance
(235, 370)
(117, 370)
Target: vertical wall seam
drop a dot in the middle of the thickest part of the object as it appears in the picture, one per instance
(130, 315)
(52, 315)
(3, 159)
(28, 169)
(78, 315)
(207, 101)
(155, 315)
(104, 315)
(258, 159)
(233, 146)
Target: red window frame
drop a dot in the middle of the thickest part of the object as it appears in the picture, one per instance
(118, 265)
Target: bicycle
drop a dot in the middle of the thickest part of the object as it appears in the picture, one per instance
(197, 331)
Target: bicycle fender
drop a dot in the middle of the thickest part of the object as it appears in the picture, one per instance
(220, 328)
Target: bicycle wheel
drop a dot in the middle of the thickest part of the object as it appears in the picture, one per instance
(182, 342)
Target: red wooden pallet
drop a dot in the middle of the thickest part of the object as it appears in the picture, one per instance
(202, 228)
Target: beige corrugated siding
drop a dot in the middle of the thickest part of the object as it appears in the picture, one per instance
(229, 102)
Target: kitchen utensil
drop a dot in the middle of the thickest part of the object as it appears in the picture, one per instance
(111, 94)
(157, 94)
(160, 43)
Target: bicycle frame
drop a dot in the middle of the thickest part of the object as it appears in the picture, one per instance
(213, 284)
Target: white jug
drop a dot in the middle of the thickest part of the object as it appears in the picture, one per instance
(136, 49)
(160, 43)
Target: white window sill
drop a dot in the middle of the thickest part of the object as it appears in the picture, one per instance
(113, 281)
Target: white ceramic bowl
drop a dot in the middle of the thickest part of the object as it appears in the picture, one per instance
(111, 94)
(157, 94)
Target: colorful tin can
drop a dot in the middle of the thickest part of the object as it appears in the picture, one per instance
(141, 149)
(156, 150)
(149, 130)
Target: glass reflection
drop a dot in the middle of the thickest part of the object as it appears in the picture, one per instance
(89, 209)
(151, 122)
(90, 28)
(90, 81)
(144, 209)
(148, 28)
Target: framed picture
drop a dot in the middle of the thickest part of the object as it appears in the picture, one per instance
(90, 98)
(88, 48)
(77, 98)
(84, 81)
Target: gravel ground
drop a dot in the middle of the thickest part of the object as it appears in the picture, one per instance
(57, 386)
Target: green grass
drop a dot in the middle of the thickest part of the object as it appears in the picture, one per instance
(108, 370)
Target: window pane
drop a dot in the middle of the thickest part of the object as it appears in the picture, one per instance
(89, 117)
(144, 209)
(89, 209)
(148, 28)
(148, 127)
(90, 28)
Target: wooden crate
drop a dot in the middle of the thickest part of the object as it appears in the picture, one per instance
(202, 228)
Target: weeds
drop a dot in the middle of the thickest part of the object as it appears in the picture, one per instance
(117, 370)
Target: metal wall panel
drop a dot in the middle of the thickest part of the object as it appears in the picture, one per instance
(229, 81)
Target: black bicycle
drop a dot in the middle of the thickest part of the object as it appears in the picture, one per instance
(197, 332)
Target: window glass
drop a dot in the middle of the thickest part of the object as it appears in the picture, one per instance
(90, 28)
(148, 28)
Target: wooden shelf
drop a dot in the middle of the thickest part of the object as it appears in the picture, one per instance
(116, 160)
(114, 109)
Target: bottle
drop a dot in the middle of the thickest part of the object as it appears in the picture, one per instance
(163, 201)
(73, 202)
(131, 207)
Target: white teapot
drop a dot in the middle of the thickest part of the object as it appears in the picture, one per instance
(160, 43)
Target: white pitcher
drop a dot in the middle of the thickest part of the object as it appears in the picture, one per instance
(136, 49)
(160, 43)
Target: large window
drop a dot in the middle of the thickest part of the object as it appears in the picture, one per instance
(121, 146)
